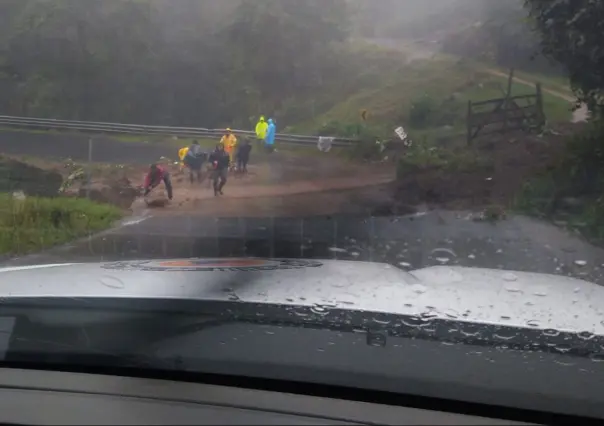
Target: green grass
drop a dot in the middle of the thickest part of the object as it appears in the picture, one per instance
(456, 160)
(36, 223)
(569, 192)
(560, 84)
(443, 79)
(556, 109)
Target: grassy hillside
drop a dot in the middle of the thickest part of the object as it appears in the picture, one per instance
(442, 84)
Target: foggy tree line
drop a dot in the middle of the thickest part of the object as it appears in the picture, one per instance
(189, 62)
(224, 62)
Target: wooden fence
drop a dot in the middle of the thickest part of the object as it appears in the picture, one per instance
(500, 115)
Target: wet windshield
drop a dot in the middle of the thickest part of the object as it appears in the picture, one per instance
(432, 172)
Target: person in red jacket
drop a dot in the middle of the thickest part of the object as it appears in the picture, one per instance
(156, 175)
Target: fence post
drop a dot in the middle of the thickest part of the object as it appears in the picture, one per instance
(469, 122)
(89, 177)
(539, 104)
(506, 104)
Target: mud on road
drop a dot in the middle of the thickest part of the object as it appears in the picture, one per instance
(285, 182)
(323, 207)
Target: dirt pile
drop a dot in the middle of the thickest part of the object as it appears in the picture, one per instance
(31, 180)
(118, 192)
(507, 162)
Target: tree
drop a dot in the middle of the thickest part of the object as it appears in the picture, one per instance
(572, 33)
(279, 45)
(186, 63)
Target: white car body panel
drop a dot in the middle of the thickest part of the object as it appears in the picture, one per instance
(520, 299)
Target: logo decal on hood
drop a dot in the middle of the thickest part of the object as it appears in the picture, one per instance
(229, 265)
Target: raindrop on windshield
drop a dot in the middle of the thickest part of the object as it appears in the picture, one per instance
(550, 332)
(112, 282)
(563, 348)
(382, 320)
(451, 313)
(429, 315)
(301, 313)
(414, 322)
(469, 331)
(508, 276)
(419, 288)
(233, 297)
(319, 309)
(504, 335)
(597, 357)
(564, 363)
(445, 251)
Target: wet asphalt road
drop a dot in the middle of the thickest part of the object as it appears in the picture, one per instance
(410, 242)
(76, 146)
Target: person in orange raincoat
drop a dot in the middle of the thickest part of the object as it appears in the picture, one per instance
(229, 141)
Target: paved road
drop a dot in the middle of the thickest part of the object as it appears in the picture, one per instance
(54, 145)
(410, 242)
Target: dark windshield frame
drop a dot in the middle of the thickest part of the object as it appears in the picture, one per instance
(377, 325)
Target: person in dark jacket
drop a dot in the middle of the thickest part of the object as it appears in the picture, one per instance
(156, 175)
(194, 161)
(220, 160)
(243, 156)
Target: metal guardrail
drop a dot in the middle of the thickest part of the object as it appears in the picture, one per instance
(100, 127)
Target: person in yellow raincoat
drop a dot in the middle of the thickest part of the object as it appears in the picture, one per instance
(182, 153)
(261, 129)
(230, 146)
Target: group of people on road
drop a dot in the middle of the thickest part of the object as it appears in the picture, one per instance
(229, 155)
(266, 132)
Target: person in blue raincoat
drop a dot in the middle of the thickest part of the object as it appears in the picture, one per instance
(269, 139)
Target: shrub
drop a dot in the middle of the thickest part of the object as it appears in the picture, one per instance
(35, 223)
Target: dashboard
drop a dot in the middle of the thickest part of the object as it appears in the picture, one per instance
(30, 397)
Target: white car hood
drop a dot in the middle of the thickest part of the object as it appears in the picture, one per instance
(528, 300)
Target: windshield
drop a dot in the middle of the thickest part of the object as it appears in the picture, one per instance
(355, 183)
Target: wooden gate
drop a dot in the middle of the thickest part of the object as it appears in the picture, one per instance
(500, 115)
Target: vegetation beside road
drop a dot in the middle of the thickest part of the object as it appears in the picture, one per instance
(428, 97)
(35, 223)
(569, 192)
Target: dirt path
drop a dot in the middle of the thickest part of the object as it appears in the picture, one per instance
(311, 197)
(579, 116)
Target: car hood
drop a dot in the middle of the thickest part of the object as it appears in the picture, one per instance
(510, 298)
